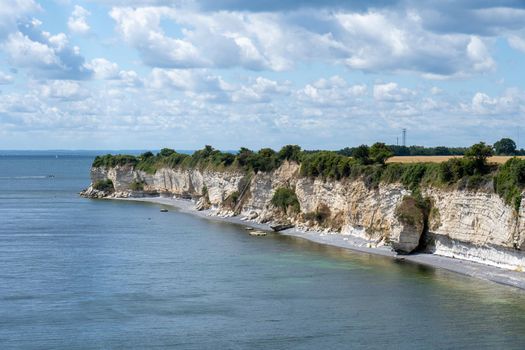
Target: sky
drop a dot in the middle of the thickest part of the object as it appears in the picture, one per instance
(323, 74)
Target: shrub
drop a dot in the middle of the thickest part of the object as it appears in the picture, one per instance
(393, 172)
(104, 185)
(285, 198)
(147, 165)
(509, 182)
(413, 174)
(110, 161)
(146, 155)
(174, 160)
(264, 160)
(453, 169)
(243, 156)
(231, 200)
(362, 154)
(408, 212)
(370, 174)
(137, 186)
(166, 152)
(234, 196)
(476, 181)
(326, 164)
(414, 210)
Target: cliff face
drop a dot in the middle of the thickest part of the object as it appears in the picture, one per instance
(476, 226)
(179, 182)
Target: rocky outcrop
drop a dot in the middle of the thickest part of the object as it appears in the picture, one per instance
(472, 225)
(190, 183)
(90, 192)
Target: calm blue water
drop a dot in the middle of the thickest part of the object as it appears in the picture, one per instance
(87, 274)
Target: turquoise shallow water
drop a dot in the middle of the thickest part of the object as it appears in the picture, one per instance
(87, 274)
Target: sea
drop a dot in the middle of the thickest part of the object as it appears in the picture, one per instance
(77, 273)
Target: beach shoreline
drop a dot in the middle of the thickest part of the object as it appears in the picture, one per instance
(472, 269)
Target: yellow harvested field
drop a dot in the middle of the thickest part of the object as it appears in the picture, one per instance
(502, 159)
(439, 159)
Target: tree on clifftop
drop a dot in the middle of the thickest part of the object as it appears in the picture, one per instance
(166, 152)
(505, 146)
(362, 154)
(290, 152)
(379, 153)
(146, 155)
(477, 154)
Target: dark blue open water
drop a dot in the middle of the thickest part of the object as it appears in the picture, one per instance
(87, 274)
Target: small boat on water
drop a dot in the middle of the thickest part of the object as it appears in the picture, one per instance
(248, 228)
(164, 210)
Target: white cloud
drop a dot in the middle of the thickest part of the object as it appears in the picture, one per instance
(198, 84)
(511, 102)
(517, 42)
(44, 54)
(77, 22)
(332, 91)
(370, 41)
(479, 55)
(141, 28)
(220, 39)
(391, 92)
(189, 102)
(62, 90)
(130, 78)
(372, 34)
(190, 89)
(26, 52)
(5, 78)
(262, 90)
(103, 68)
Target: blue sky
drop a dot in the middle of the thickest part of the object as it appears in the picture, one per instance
(136, 74)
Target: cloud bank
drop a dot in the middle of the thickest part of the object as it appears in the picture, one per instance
(323, 74)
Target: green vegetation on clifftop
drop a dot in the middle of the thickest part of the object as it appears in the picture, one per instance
(469, 172)
(509, 181)
(265, 159)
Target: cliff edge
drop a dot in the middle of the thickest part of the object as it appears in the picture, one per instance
(472, 224)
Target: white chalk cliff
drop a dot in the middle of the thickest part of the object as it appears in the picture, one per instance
(471, 225)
